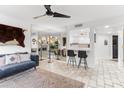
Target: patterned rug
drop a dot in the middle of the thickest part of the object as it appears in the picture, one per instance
(39, 79)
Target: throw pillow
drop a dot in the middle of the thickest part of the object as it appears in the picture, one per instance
(18, 58)
(24, 57)
(2, 61)
(10, 59)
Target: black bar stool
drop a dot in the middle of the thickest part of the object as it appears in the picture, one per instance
(71, 55)
(82, 55)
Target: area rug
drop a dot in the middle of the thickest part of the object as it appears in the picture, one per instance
(39, 79)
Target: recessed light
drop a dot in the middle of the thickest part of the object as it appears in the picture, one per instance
(107, 26)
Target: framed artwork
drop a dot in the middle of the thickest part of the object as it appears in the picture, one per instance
(105, 42)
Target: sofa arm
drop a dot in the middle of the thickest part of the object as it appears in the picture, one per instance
(1, 74)
(35, 58)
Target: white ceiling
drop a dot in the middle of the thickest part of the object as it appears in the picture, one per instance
(108, 30)
(78, 13)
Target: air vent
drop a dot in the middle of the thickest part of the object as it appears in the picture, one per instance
(78, 25)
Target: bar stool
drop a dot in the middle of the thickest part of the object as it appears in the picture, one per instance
(71, 55)
(82, 55)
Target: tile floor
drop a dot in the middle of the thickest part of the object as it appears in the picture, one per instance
(106, 73)
(46, 56)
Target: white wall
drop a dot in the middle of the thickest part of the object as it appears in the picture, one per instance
(103, 51)
(4, 19)
(91, 53)
(120, 47)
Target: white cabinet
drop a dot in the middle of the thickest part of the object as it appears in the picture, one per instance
(79, 38)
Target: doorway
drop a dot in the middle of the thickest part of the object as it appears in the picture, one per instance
(115, 47)
(50, 46)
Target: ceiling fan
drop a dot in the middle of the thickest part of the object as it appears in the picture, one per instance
(49, 12)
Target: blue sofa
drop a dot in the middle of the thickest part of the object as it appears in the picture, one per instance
(12, 69)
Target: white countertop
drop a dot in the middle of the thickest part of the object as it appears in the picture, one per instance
(85, 49)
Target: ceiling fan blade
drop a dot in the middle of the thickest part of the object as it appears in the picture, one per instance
(55, 14)
(48, 7)
(39, 16)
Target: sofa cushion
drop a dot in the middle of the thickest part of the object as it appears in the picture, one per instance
(11, 69)
(18, 65)
(1, 73)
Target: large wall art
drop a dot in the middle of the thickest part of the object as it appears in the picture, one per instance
(11, 35)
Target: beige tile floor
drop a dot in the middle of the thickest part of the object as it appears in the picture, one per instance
(46, 56)
(106, 74)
